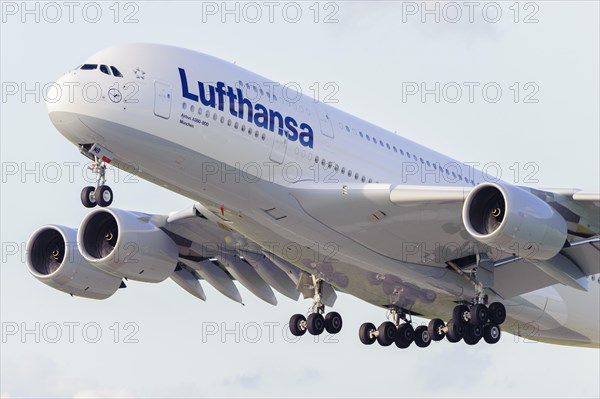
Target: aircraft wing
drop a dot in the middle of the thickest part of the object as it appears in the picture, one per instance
(424, 225)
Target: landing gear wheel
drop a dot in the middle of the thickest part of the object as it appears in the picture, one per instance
(333, 322)
(435, 329)
(365, 333)
(298, 325)
(460, 313)
(473, 334)
(104, 196)
(315, 323)
(479, 314)
(404, 336)
(387, 333)
(491, 333)
(497, 313)
(456, 331)
(422, 337)
(88, 198)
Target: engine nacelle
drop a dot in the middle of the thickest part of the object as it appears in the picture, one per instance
(514, 220)
(53, 258)
(126, 244)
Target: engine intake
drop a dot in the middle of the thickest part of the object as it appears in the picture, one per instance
(127, 244)
(53, 258)
(514, 220)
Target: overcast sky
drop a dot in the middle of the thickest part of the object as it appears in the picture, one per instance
(157, 340)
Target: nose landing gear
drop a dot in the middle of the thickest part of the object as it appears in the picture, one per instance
(101, 194)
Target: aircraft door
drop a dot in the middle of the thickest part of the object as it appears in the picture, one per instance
(324, 121)
(279, 148)
(162, 99)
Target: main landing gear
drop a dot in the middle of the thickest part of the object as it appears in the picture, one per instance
(101, 194)
(317, 321)
(395, 332)
(470, 324)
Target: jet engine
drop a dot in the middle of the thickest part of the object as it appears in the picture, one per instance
(514, 220)
(53, 258)
(127, 244)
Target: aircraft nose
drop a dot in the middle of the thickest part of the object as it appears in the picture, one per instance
(61, 93)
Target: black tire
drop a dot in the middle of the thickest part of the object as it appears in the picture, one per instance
(298, 325)
(104, 196)
(460, 314)
(387, 333)
(434, 329)
(497, 313)
(473, 334)
(315, 323)
(88, 198)
(456, 331)
(405, 336)
(333, 322)
(491, 333)
(365, 333)
(479, 314)
(422, 337)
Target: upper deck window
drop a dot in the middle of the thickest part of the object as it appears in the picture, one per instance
(116, 72)
(89, 66)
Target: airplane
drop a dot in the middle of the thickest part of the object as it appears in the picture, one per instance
(290, 194)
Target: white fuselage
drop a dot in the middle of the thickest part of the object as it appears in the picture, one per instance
(247, 149)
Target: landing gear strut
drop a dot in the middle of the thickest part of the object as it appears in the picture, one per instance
(101, 194)
(317, 321)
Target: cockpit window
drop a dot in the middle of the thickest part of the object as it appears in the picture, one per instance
(104, 69)
(116, 72)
